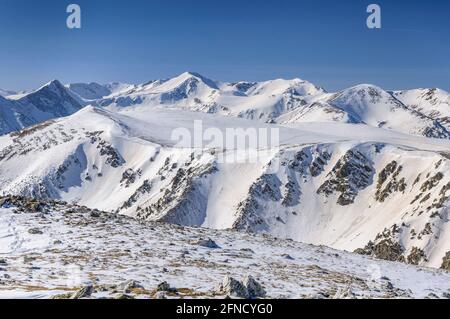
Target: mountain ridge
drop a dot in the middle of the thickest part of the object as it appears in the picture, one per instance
(274, 101)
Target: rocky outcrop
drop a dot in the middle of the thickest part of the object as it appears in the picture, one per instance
(249, 288)
(113, 157)
(389, 182)
(181, 202)
(446, 261)
(352, 173)
(416, 256)
(266, 188)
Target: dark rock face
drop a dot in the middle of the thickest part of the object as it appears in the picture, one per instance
(385, 246)
(317, 165)
(267, 187)
(129, 177)
(113, 157)
(416, 256)
(145, 188)
(388, 250)
(428, 186)
(181, 202)
(26, 205)
(352, 173)
(446, 262)
(292, 195)
(388, 182)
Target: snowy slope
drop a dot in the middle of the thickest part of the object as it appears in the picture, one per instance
(434, 103)
(50, 101)
(372, 105)
(89, 91)
(53, 250)
(94, 91)
(263, 101)
(356, 185)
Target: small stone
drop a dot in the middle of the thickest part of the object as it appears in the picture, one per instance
(208, 243)
(124, 296)
(3, 262)
(232, 287)
(254, 288)
(62, 296)
(164, 286)
(320, 295)
(84, 292)
(28, 259)
(344, 293)
(95, 214)
(35, 231)
(129, 285)
(288, 257)
(387, 285)
(160, 295)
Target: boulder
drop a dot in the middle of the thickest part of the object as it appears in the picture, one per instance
(208, 243)
(84, 292)
(232, 287)
(254, 288)
(165, 287)
(35, 231)
(446, 262)
(128, 285)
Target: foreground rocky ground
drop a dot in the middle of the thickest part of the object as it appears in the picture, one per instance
(57, 250)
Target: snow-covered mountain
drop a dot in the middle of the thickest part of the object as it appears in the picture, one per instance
(276, 101)
(283, 101)
(434, 103)
(357, 187)
(264, 101)
(89, 91)
(94, 91)
(49, 101)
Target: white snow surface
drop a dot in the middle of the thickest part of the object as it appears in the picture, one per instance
(74, 248)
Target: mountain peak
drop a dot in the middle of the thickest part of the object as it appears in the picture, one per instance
(189, 74)
(53, 84)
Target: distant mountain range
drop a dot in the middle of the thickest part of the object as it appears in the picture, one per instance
(419, 112)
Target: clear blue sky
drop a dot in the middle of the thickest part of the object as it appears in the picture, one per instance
(323, 41)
